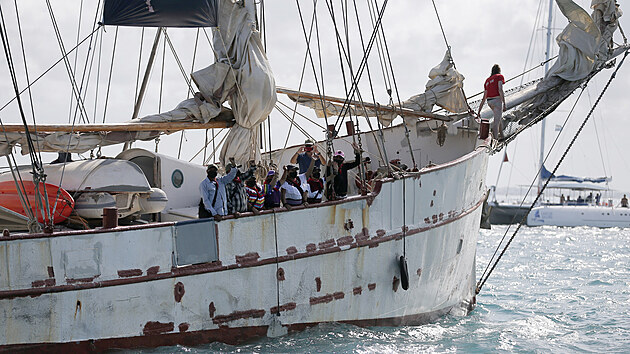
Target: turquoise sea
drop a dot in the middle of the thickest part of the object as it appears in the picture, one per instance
(556, 290)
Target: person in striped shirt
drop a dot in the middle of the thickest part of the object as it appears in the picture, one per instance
(255, 195)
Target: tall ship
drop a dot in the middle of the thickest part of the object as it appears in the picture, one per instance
(104, 253)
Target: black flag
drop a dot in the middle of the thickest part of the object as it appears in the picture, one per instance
(161, 13)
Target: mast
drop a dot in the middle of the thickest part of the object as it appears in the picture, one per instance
(542, 126)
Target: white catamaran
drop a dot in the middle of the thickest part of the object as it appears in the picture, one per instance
(399, 252)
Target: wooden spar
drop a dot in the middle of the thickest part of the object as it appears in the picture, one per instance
(398, 110)
(116, 127)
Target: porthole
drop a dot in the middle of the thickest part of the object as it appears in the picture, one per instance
(177, 178)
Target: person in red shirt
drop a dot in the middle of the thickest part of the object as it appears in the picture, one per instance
(493, 93)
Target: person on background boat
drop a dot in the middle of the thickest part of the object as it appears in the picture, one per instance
(589, 198)
(255, 195)
(271, 189)
(562, 199)
(236, 194)
(624, 202)
(291, 193)
(213, 201)
(337, 173)
(493, 93)
(598, 197)
(306, 154)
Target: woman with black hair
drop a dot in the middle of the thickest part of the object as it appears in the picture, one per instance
(493, 93)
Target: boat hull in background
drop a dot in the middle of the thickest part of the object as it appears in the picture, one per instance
(506, 214)
(579, 215)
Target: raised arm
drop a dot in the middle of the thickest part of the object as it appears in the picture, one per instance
(309, 172)
(295, 156)
(229, 177)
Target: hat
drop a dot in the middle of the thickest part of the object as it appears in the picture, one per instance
(271, 173)
(309, 142)
(339, 153)
(290, 167)
(211, 166)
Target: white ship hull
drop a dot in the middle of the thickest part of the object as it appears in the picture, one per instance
(201, 281)
(579, 215)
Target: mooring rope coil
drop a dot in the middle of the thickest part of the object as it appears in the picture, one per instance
(483, 279)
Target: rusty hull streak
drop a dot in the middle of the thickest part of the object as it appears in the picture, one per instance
(280, 274)
(238, 315)
(249, 258)
(153, 270)
(212, 309)
(286, 307)
(318, 284)
(126, 273)
(88, 283)
(80, 280)
(344, 241)
(43, 283)
(154, 327)
(357, 291)
(292, 250)
(371, 286)
(183, 327)
(327, 244)
(179, 291)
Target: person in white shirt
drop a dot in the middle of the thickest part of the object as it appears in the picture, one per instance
(291, 190)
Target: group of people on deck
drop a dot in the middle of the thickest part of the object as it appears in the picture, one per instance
(238, 192)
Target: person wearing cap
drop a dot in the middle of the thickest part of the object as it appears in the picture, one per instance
(337, 173)
(291, 192)
(236, 194)
(306, 154)
(271, 189)
(313, 184)
(213, 201)
(255, 195)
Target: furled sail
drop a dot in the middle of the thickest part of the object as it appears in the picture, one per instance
(584, 52)
(242, 75)
(443, 89)
(161, 13)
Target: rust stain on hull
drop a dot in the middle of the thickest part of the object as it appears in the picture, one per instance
(238, 315)
(179, 291)
(286, 307)
(126, 273)
(154, 327)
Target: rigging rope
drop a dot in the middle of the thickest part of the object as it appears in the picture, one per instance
(71, 76)
(483, 279)
(36, 165)
(139, 65)
(47, 70)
